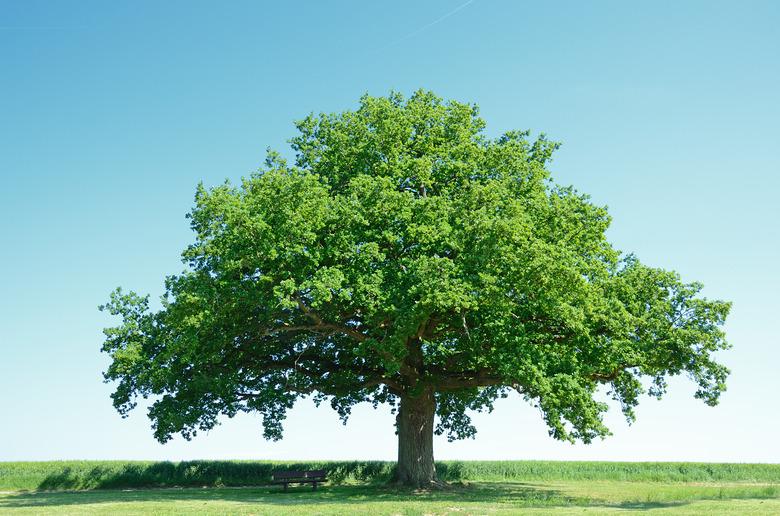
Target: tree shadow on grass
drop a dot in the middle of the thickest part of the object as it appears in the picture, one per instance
(205, 474)
(506, 495)
(121, 475)
(248, 482)
(513, 494)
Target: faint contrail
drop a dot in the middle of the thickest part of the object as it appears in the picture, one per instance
(427, 26)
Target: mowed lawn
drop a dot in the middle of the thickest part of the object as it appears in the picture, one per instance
(757, 492)
(573, 497)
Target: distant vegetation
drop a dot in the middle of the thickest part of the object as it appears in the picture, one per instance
(78, 475)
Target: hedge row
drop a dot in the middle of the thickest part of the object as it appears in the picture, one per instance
(123, 474)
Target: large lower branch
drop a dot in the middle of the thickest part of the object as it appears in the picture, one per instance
(322, 365)
(330, 391)
(321, 324)
(448, 381)
(612, 375)
(444, 380)
(322, 328)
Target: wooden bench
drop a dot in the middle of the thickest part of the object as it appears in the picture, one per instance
(312, 477)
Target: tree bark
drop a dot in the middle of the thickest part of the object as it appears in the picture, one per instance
(415, 440)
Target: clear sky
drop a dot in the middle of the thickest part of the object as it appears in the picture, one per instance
(112, 112)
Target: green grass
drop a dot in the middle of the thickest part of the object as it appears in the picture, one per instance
(562, 497)
(527, 487)
(15, 476)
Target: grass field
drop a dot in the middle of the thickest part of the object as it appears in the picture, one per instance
(359, 487)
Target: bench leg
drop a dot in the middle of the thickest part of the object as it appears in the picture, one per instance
(314, 486)
(285, 486)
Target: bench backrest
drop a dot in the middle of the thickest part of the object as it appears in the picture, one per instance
(284, 475)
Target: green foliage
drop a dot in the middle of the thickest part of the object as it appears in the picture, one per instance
(140, 474)
(404, 251)
(59, 475)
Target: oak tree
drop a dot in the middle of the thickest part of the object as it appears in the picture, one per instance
(406, 258)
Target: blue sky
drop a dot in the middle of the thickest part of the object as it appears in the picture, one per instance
(112, 112)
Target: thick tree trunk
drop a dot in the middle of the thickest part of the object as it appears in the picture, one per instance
(415, 440)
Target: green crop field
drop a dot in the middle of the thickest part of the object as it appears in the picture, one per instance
(528, 487)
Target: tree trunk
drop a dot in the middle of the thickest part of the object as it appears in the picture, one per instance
(415, 440)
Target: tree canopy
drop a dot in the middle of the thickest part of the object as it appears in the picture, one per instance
(404, 255)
